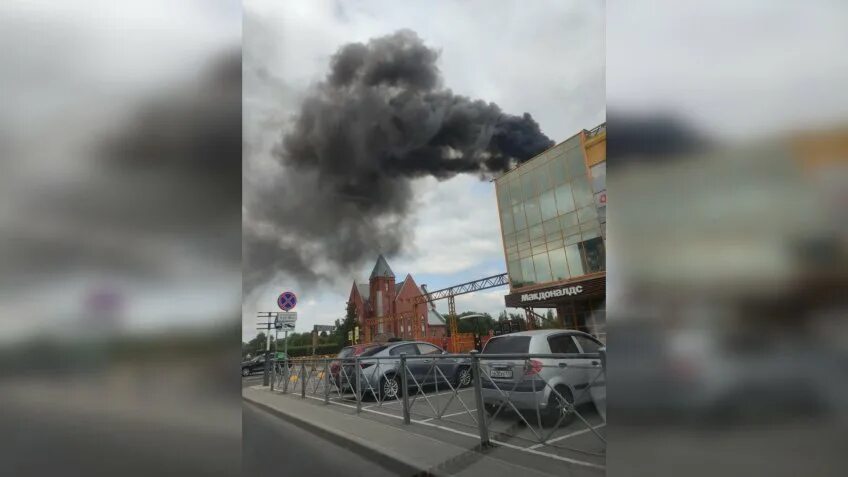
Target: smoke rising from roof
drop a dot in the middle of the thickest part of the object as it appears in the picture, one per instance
(381, 118)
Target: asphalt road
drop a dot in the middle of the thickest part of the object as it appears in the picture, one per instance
(271, 446)
(252, 380)
(39, 441)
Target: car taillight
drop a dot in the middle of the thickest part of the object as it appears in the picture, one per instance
(532, 367)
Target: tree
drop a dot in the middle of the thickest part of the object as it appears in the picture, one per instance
(348, 325)
(254, 346)
(485, 322)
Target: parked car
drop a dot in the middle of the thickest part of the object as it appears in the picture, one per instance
(253, 365)
(350, 352)
(257, 364)
(529, 384)
(382, 378)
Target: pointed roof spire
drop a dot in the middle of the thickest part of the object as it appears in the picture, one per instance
(382, 269)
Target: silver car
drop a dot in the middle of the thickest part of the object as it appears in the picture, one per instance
(529, 383)
(382, 378)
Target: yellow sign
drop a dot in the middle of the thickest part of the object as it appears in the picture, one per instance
(356, 334)
(350, 335)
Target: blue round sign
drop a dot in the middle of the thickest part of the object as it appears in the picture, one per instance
(287, 300)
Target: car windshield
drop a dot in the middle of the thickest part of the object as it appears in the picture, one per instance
(345, 352)
(507, 344)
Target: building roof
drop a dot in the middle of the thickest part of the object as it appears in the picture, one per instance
(382, 269)
(364, 291)
(435, 318)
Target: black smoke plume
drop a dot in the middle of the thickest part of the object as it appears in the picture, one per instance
(381, 118)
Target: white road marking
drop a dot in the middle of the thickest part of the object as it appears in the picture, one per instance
(477, 437)
(575, 433)
(451, 415)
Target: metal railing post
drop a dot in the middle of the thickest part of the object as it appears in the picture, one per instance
(286, 374)
(273, 373)
(404, 388)
(357, 370)
(302, 382)
(326, 382)
(478, 398)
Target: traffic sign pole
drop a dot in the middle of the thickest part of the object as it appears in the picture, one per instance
(286, 301)
(286, 352)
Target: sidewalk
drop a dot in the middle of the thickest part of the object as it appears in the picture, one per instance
(406, 452)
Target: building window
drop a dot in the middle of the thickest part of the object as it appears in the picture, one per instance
(542, 267)
(593, 253)
(527, 271)
(575, 263)
(559, 266)
(550, 219)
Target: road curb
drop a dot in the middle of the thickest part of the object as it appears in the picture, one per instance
(381, 456)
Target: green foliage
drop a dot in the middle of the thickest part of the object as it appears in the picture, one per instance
(484, 323)
(549, 320)
(348, 325)
(254, 346)
(296, 351)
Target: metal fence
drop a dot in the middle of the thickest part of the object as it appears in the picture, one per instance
(494, 396)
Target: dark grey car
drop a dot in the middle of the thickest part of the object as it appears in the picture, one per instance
(381, 371)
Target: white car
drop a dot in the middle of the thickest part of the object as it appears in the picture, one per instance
(528, 382)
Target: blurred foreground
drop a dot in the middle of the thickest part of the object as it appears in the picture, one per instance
(728, 241)
(120, 232)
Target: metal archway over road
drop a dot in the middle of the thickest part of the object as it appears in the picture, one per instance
(451, 292)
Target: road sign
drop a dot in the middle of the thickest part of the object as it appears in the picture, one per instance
(327, 328)
(284, 319)
(287, 301)
(286, 327)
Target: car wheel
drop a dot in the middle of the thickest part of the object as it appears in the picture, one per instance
(245, 372)
(558, 409)
(390, 388)
(463, 377)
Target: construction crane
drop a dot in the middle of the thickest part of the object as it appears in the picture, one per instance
(451, 292)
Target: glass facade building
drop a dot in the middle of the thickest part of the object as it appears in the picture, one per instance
(550, 220)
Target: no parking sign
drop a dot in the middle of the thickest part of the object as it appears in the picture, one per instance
(287, 301)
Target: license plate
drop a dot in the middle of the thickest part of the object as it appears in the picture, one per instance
(502, 373)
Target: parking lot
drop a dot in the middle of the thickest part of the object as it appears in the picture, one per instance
(451, 415)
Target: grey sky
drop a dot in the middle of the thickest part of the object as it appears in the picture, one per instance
(76, 216)
(735, 68)
(545, 58)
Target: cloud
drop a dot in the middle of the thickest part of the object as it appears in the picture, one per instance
(546, 58)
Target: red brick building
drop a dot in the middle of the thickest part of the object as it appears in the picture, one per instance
(385, 308)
